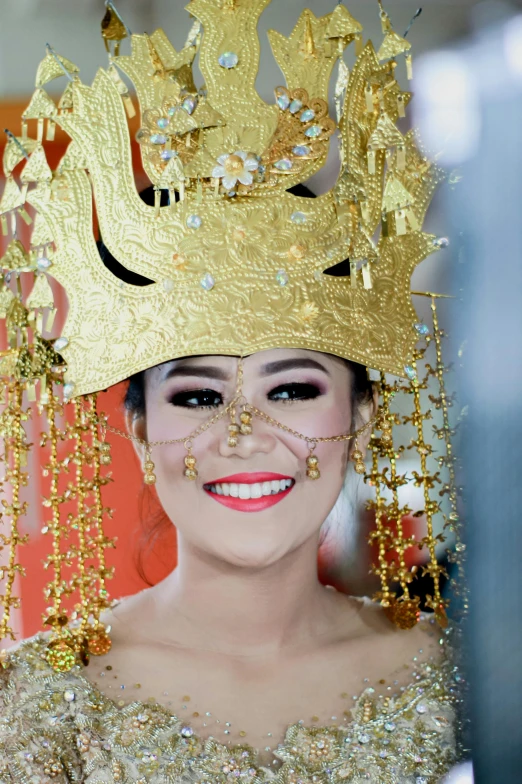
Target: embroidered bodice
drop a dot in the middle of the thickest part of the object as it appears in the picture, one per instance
(57, 728)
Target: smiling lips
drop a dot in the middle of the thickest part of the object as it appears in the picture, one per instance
(251, 492)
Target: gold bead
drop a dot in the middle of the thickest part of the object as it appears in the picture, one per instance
(149, 466)
(232, 441)
(233, 429)
(99, 644)
(313, 474)
(357, 456)
(360, 468)
(149, 479)
(190, 461)
(312, 461)
(105, 448)
(246, 430)
(105, 459)
(191, 474)
(61, 656)
(245, 417)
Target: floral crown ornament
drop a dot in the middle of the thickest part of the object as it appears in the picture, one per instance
(234, 263)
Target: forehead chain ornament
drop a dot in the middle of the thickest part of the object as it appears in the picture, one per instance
(244, 428)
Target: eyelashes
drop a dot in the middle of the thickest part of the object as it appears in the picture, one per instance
(197, 398)
(211, 399)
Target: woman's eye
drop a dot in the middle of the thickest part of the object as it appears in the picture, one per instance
(292, 392)
(197, 398)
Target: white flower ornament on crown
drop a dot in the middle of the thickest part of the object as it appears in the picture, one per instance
(235, 168)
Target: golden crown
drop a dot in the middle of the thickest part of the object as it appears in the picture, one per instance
(235, 261)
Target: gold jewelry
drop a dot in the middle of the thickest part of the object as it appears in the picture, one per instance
(191, 471)
(233, 429)
(149, 477)
(358, 458)
(246, 422)
(312, 463)
(280, 298)
(395, 184)
(105, 448)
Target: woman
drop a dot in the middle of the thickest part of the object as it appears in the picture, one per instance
(243, 393)
(241, 642)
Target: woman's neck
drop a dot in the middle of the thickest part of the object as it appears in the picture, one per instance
(242, 611)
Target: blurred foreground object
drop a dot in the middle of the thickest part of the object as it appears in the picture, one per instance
(481, 87)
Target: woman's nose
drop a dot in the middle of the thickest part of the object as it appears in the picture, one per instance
(260, 440)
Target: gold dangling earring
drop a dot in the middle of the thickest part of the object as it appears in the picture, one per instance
(191, 472)
(233, 429)
(312, 464)
(149, 476)
(358, 459)
(246, 422)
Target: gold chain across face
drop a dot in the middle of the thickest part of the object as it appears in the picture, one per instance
(242, 428)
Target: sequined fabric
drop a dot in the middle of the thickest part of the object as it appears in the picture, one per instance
(59, 728)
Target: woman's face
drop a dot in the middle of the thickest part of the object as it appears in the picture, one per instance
(278, 507)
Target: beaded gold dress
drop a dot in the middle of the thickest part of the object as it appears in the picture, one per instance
(59, 727)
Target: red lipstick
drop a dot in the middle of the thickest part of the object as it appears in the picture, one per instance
(250, 504)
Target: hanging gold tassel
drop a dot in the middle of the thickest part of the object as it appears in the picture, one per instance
(409, 66)
(427, 480)
(51, 130)
(15, 450)
(60, 653)
(366, 275)
(98, 642)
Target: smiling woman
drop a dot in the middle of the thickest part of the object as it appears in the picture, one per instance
(302, 390)
(244, 315)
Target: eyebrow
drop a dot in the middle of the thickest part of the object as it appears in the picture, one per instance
(208, 371)
(211, 371)
(291, 364)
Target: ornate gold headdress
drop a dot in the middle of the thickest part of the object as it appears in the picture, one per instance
(235, 263)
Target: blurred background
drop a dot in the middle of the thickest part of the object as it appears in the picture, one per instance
(468, 105)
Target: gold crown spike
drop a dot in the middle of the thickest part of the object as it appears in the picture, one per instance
(392, 46)
(342, 24)
(15, 151)
(215, 255)
(52, 67)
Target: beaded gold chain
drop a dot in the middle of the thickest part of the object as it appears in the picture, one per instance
(239, 401)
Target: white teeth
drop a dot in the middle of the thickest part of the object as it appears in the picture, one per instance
(256, 490)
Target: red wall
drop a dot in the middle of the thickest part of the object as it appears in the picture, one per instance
(133, 505)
